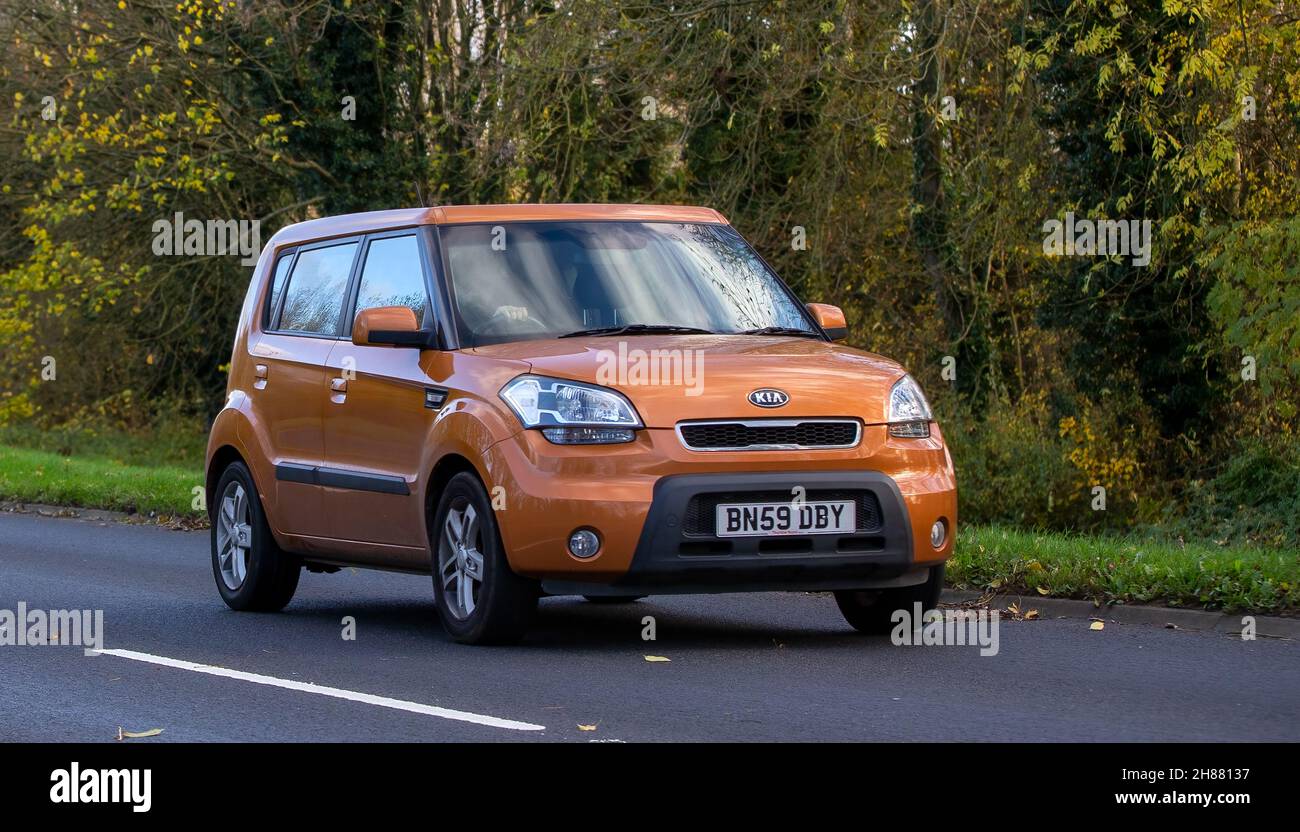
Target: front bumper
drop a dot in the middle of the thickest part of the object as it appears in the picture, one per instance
(651, 502)
(678, 551)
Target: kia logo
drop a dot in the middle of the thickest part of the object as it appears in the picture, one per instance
(768, 397)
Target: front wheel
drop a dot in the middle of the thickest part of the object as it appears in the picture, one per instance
(253, 573)
(870, 610)
(479, 599)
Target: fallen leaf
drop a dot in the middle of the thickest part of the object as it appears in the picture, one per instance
(586, 727)
(1097, 625)
(1031, 615)
(135, 735)
(1042, 590)
(657, 659)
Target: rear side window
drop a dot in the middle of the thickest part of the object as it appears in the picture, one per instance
(314, 299)
(277, 284)
(392, 277)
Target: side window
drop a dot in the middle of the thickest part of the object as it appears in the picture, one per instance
(314, 299)
(277, 286)
(392, 277)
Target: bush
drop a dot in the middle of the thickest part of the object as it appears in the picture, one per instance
(1022, 464)
(1254, 499)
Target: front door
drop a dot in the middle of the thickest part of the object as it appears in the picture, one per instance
(378, 412)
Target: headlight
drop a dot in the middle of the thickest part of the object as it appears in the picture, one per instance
(559, 407)
(909, 412)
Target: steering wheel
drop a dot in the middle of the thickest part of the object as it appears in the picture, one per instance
(513, 319)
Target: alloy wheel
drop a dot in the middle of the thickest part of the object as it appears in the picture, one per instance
(234, 536)
(460, 558)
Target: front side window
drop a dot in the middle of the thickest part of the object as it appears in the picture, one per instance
(521, 281)
(314, 299)
(392, 276)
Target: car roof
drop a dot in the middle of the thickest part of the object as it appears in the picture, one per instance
(370, 221)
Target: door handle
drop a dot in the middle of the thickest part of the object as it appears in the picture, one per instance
(338, 390)
(259, 376)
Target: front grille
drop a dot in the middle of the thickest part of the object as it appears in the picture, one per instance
(701, 512)
(769, 434)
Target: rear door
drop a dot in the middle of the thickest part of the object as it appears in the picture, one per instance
(379, 410)
(301, 325)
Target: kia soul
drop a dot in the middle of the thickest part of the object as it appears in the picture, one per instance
(607, 401)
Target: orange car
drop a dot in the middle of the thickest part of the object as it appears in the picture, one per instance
(600, 400)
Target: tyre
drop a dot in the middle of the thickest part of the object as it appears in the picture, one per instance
(479, 599)
(869, 610)
(613, 599)
(252, 572)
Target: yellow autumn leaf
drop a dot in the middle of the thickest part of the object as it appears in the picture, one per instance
(657, 659)
(1097, 625)
(135, 735)
(1042, 590)
(586, 727)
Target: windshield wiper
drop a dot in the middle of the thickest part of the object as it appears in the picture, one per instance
(640, 329)
(780, 330)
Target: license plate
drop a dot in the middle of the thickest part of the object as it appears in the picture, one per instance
(764, 519)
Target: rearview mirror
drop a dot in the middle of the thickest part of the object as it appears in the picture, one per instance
(392, 326)
(831, 319)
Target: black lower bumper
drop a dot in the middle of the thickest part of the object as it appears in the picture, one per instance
(679, 552)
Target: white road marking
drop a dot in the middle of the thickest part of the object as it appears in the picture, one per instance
(323, 690)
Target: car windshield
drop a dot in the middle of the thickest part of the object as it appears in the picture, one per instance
(522, 281)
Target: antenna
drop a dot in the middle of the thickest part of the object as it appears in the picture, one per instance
(419, 194)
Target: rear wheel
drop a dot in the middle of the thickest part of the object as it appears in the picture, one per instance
(479, 599)
(870, 610)
(252, 572)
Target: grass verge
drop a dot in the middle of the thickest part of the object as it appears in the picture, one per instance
(1099, 568)
(1127, 569)
(36, 476)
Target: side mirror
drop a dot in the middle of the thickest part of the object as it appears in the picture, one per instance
(831, 319)
(393, 326)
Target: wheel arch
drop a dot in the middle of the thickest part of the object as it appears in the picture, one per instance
(221, 459)
(448, 465)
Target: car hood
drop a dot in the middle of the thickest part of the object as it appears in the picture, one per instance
(670, 378)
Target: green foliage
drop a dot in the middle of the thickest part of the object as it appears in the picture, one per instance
(1034, 465)
(1255, 499)
(169, 441)
(1256, 303)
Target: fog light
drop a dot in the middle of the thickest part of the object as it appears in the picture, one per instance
(583, 543)
(938, 534)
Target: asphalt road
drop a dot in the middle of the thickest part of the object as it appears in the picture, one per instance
(743, 667)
